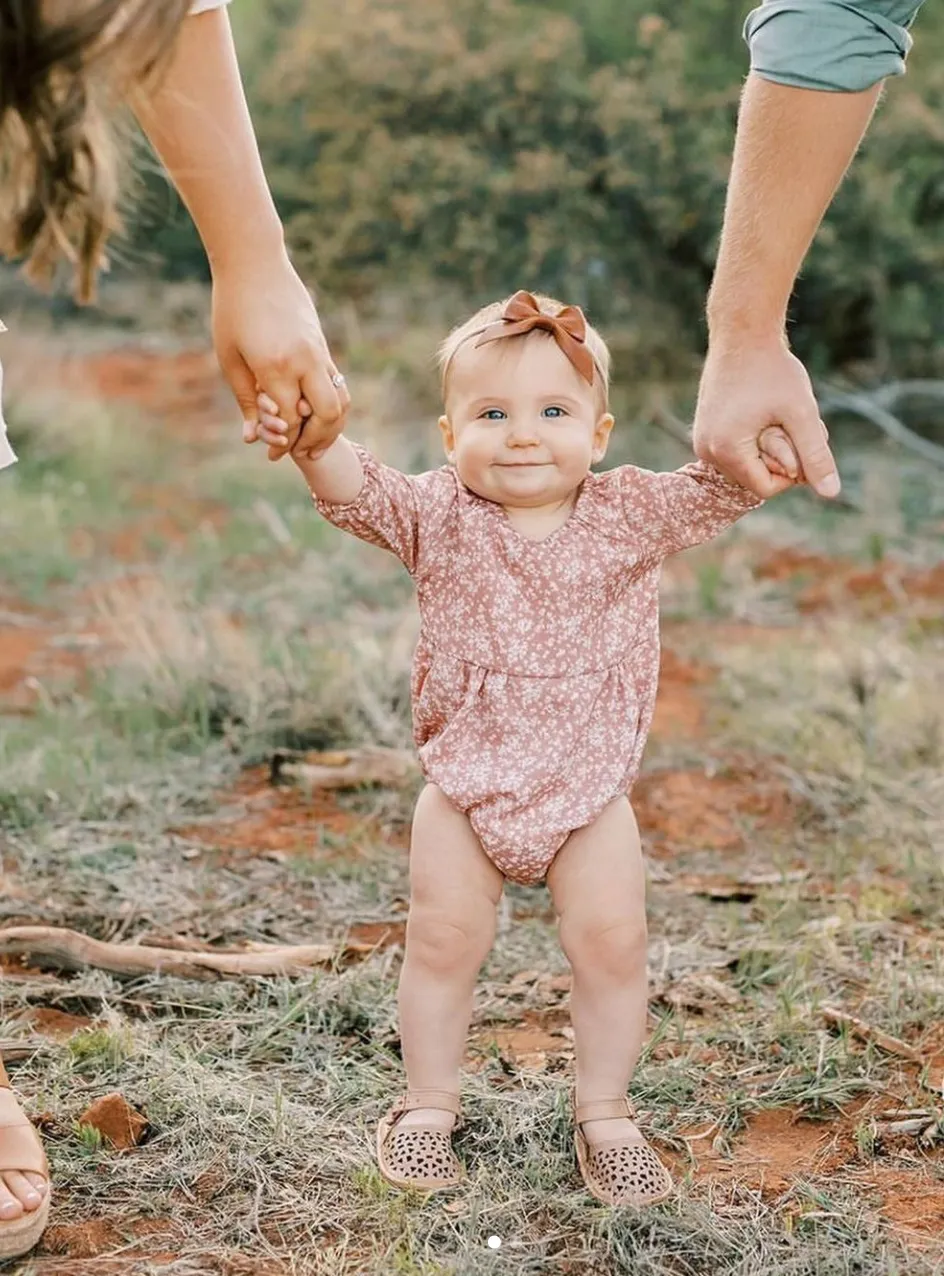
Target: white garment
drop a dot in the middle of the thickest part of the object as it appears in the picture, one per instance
(7, 455)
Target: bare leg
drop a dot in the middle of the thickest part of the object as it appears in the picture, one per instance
(454, 893)
(598, 885)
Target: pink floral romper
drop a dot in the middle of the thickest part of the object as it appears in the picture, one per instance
(534, 678)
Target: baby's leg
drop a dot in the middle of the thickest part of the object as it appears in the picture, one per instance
(454, 894)
(597, 881)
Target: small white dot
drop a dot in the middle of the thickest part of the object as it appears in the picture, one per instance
(494, 1242)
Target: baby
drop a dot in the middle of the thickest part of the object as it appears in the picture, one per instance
(533, 687)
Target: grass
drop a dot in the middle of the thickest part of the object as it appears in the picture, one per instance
(818, 761)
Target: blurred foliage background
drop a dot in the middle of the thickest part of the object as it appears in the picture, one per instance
(577, 146)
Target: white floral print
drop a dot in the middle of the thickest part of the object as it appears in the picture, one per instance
(535, 675)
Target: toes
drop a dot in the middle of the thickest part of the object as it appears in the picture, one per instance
(10, 1207)
(24, 1188)
(39, 1182)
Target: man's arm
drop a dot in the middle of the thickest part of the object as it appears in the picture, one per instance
(792, 149)
(817, 72)
(266, 329)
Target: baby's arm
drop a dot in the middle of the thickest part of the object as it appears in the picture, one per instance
(698, 503)
(676, 510)
(359, 494)
(333, 474)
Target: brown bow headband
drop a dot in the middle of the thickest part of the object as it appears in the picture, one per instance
(569, 329)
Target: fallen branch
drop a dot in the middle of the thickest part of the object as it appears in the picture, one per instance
(914, 1125)
(69, 950)
(13, 1051)
(389, 768)
(873, 408)
(666, 420)
(869, 1033)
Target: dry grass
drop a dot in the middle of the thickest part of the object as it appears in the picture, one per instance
(794, 818)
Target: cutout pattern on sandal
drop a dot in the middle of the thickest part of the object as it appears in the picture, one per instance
(422, 1155)
(631, 1172)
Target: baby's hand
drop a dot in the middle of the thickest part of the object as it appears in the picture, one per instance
(274, 431)
(779, 455)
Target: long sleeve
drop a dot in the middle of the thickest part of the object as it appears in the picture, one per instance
(832, 45)
(393, 510)
(669, 512)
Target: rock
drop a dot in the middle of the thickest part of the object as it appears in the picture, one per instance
(116, 1120)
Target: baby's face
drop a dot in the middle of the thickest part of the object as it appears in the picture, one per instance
(522, 427)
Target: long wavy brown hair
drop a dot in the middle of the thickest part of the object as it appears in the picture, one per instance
(65, 67)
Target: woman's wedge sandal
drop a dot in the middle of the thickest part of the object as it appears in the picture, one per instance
(619, 1171)
(23, 1151)
(419, 1156)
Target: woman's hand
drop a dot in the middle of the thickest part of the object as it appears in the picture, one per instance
(268, 338)
(274, 432)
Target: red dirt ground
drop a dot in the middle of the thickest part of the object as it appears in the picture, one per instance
(779, 1148)
(185, 389)
(29, 658)
(282, 820)
(837, 584)
(96, 1237)
(46, 1021)
(699, 809)
(680, 707)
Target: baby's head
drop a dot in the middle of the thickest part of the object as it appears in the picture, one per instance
(525, 406)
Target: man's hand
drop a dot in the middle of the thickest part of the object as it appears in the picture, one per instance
(268, 338)
(745, 388)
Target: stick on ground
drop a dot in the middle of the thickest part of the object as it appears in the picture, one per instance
(71, 950)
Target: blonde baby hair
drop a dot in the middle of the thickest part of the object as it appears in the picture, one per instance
(492, 313)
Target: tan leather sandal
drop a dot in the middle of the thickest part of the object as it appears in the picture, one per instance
(23, 1151)
(618, 1171)
(420, 1156)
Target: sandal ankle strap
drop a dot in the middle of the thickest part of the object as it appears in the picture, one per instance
(441, 1100)
(604, 1110)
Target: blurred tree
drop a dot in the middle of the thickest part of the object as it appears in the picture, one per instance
(582, 147)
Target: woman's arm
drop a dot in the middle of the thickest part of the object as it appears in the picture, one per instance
(817, 72)
(265, 326)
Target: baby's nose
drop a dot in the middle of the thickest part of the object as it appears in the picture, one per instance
(522, 434)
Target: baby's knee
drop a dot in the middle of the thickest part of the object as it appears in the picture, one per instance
(606, 946)
(449, 945)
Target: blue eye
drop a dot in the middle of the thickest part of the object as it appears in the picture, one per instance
(493, 414)
(554, 412)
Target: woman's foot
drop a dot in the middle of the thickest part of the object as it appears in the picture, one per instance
(19, 1193)
(24, 1178)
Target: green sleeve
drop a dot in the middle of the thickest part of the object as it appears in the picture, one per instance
(830, 44)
